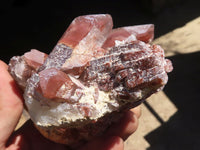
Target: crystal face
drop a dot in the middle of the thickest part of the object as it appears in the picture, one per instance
(93, 73)
(35, 58)
(83, 28)
(51, 81)
(143, 33)
(86, 35)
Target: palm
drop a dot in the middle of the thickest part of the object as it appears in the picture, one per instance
(31, 139)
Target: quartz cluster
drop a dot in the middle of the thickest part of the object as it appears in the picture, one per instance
(93, 73)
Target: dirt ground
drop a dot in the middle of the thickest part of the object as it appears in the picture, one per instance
(170, 119)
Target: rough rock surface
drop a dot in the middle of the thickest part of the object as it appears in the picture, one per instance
(87, 80)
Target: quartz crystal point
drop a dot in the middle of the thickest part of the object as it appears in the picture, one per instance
(86, 26)
(51, 80)
(81, 42)
(35, 58)
(21, 68)
(143, 33)
(92, 75)
(94, 30)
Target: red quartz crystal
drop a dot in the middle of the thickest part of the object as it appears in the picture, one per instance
(82, 26)
(35, 58)
(51, 81)
(143, 33)
(86, 35)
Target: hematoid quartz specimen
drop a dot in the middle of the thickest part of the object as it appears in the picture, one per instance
(92, 75)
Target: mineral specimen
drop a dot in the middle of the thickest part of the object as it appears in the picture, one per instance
(91, 76)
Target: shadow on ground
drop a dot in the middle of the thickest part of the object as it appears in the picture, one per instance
(182, 131)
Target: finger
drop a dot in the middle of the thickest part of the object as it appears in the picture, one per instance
(125, 127)
(104, 143)
(30, 138)
(137, 111)
(16, 143)
(11, 104)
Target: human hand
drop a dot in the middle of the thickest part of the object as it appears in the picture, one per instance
(28, 138)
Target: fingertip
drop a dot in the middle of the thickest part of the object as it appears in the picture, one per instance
(105, 143)
(125, 127)
(131, 125)
(137, 111)
(115, 143)
(3, 64)
(15, 141)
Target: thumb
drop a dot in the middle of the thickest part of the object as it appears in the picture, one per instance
(11, 105)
